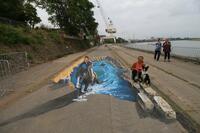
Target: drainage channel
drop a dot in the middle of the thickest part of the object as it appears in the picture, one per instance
(111, 80)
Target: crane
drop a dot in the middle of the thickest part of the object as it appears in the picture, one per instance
(108, 22)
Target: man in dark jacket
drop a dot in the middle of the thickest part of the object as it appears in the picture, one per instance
(167, 49)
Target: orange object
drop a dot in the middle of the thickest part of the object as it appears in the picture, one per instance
(137, 66)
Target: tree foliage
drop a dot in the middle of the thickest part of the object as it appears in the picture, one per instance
(12, 9)
(73, 16)
(19, 10)
(31, 15)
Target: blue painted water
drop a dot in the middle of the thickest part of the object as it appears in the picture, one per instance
(111, 81)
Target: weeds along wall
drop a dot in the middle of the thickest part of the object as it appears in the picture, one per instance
(41, 45)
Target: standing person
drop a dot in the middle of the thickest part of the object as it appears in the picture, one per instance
(137, 69)
(158, 50)
(167, 49)
(82, 75)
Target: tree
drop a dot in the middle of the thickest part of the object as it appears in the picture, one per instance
(72, 16)
(19, 10)
(12, 9)
(31, 15)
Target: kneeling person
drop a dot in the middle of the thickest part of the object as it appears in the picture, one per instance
(137, 69)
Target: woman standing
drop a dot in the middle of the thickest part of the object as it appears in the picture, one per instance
(167, 49)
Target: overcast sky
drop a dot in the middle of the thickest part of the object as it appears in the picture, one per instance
(147, 18)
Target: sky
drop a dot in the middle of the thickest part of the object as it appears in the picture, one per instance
(141, 19)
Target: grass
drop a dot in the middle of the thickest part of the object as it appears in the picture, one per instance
(12, 35)
(40, 44)
(38, 38)
(54, 35)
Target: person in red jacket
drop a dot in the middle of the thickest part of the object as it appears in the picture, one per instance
(137, 69)
(167, 49)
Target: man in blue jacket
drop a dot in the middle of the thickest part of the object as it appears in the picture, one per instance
(84, 75)
(158, 50)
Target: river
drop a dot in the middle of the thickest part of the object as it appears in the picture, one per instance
(180, 48)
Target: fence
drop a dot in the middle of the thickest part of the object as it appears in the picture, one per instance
(4, 68)
(11, 22)
(18, 61)
(4, 74)
(9, 65)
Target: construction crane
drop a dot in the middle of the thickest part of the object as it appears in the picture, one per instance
(108, 22)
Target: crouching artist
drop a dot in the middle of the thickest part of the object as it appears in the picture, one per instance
(137, 68)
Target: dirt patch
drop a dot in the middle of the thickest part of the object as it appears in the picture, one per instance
(50, 50)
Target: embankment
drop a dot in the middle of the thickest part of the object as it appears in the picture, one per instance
(41, 45)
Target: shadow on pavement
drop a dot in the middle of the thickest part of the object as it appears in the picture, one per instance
(44, 108)
(58, 85)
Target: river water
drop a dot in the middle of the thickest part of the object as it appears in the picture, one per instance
(180, 48)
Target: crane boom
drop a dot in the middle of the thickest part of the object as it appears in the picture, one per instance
(102, 13)
(109, 24)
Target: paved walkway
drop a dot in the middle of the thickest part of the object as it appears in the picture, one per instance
(101, 114)
(49, 108)
(36, 77)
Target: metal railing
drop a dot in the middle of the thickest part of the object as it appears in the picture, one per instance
(4, 68)
(18, 61)
(11, 22)
(10, 64)
(5, 72)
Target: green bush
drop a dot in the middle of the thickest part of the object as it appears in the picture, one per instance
(30, 56)
(55, 36)
(38, 38)
(12, 35)
(109, 41)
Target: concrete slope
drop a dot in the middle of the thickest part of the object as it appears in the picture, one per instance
(101, 114)
(50, 109)
(178, 80)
